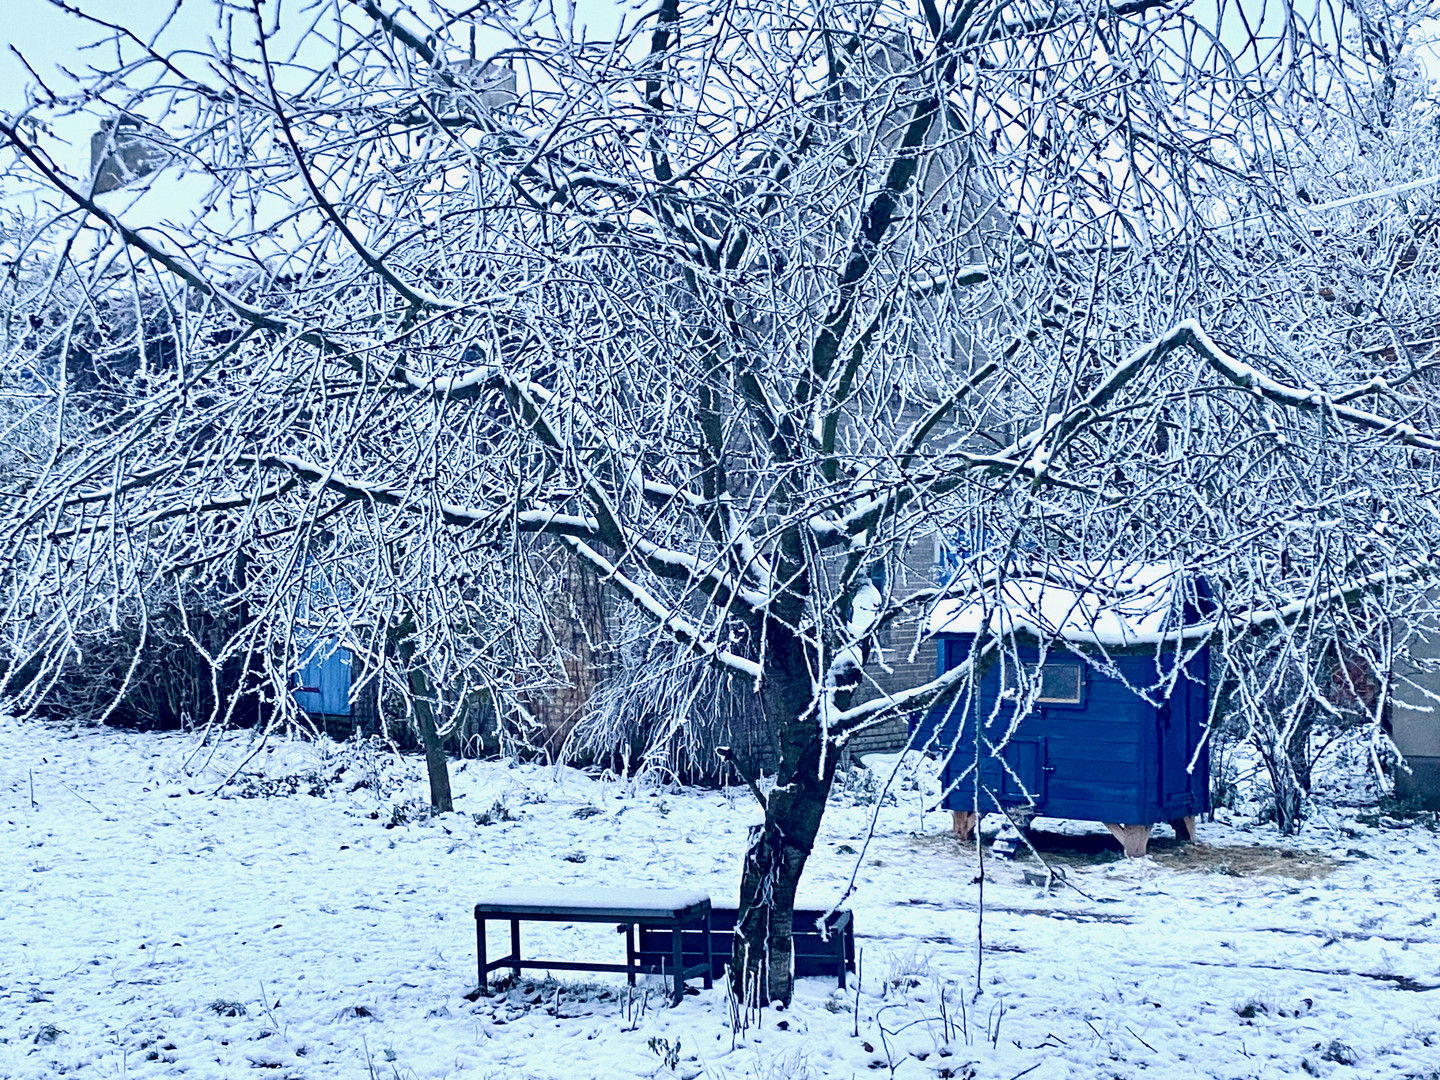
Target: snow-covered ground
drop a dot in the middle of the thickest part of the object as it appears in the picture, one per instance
(293, 927)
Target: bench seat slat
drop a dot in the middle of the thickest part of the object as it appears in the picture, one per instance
(589, 905)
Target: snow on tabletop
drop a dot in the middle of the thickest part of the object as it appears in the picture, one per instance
(1111, 604)
(323, 930)
(657, 900)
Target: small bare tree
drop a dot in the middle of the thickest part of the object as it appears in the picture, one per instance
(732, 306)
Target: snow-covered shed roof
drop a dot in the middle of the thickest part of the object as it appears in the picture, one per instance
(1114, 604)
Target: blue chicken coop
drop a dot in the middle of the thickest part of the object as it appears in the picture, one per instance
(322, 681)
(1112, 708)
(322, 676)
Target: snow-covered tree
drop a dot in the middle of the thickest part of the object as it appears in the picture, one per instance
(732, 305)
(1348, 277)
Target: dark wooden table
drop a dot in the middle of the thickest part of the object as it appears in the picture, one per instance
(674, 909)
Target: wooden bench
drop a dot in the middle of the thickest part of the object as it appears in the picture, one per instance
(676, 911)
(832, 954)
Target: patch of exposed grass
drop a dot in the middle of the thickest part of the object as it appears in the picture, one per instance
(1251, 860)
(1097, 849)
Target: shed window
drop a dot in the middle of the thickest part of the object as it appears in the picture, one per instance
(1060, 684)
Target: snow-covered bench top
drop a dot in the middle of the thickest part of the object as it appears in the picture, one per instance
(583, 903)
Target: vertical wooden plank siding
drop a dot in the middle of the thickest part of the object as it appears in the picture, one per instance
(1112, 757)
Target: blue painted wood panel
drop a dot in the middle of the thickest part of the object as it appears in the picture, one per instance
(1113, 757)
(322, 685)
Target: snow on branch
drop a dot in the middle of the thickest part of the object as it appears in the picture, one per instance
(1248, 378)
(682, 629)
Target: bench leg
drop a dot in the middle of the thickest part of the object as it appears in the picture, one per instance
(480, 953)
(677, 969)
(515, 946)
(709, 959)
(847, 960)
(630, 953)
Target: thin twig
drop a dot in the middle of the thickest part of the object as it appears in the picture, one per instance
(1054, 877)
(68, 788)
(1141, 1041)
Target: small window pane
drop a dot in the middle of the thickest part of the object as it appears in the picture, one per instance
(1060, 683)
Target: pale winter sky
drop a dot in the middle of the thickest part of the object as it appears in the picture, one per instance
(48, 37)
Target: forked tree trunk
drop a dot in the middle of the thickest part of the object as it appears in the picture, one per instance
(1298, 751)
(1284, 783)
(762, 950)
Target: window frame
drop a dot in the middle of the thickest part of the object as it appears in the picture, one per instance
(1033, 669)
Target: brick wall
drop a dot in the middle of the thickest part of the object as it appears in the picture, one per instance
(582, 631)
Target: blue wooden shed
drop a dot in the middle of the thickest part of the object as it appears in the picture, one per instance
(322, 681)
(322, 676)
(1112, 707)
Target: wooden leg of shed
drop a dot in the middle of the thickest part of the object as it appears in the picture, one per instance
(1133, 838)
(1184, 828)
(964, 822)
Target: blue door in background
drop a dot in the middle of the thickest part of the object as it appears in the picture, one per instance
(322, 685)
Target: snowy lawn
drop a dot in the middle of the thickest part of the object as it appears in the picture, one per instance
(296, 925)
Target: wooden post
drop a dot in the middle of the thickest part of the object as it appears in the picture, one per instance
(1133, 838)
(677, 964)
(963, 823)
(1184, 828)
(480, 954)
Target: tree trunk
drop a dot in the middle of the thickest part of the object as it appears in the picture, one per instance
(437, 764)
(1298, 752)
(254, 706)
(1290, 766)
(762, 950)
(1284, 784)
(1289, 804)
(760, 961)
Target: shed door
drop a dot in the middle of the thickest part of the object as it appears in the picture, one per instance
(1174, 753)
(322, 685)
(1024, 778)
